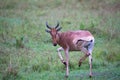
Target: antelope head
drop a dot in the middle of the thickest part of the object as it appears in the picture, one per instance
(54, 33)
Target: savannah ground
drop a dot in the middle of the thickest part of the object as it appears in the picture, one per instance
(26, 51)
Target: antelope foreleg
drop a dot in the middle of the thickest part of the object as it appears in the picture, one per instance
(67, 63)
(60, 56)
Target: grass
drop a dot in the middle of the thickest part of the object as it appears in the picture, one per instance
(26, 51)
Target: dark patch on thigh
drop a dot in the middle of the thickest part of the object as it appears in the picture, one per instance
(88, 44)
(79, 42)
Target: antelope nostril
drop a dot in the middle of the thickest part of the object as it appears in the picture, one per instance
(55, 44)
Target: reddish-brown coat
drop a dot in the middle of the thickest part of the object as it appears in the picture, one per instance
(65, 39)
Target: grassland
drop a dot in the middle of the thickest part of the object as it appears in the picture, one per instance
(26, 51)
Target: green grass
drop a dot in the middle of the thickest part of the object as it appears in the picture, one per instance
(26, 51)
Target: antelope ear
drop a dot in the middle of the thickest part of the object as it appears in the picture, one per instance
(47, 31)
(59, 28)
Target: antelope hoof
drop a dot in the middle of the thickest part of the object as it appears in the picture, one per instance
(90, 75)
(64, 63)
(80, 64)
(66, 76)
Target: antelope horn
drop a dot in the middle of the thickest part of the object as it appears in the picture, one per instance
(59, 28)
(47, 26)
(57, 25)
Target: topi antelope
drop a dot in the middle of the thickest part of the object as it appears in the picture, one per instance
(80, 40)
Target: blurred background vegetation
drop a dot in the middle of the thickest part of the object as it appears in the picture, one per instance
(26, 51)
